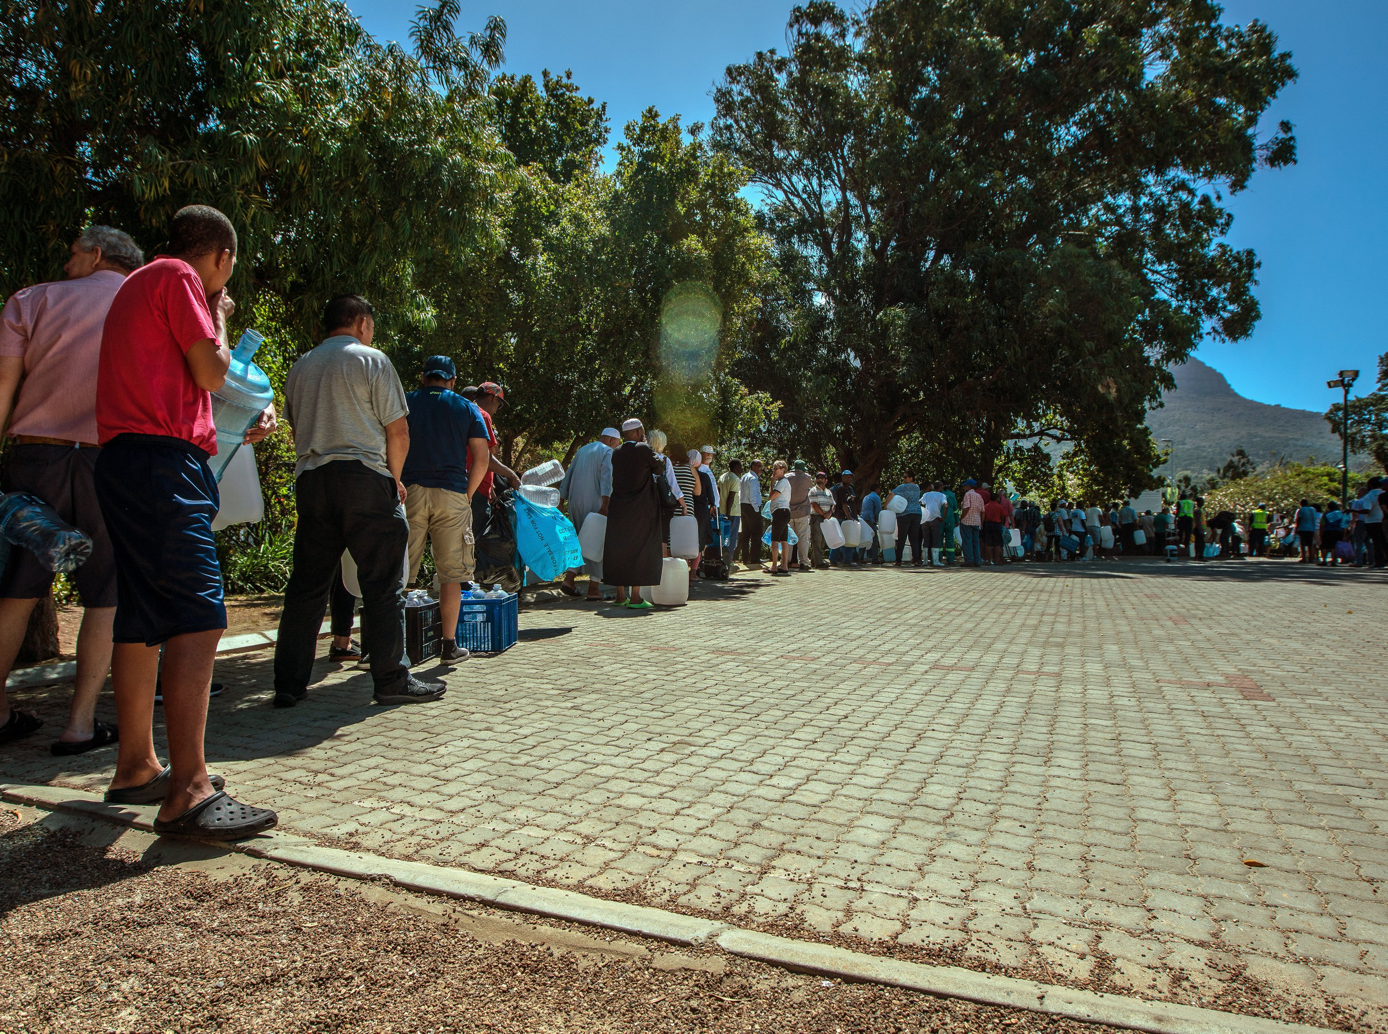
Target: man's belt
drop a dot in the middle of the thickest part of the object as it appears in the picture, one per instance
(39, 439)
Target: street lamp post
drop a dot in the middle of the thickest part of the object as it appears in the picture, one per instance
(1171, 456)
(1344, 383)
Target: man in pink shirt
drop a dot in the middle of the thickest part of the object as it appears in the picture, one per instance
(50, 338)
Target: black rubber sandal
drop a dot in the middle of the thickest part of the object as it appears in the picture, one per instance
(103, 735)
(18, 725)
(154, 791)
(220, 817)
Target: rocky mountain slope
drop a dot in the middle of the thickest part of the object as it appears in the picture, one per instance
(1206, 419)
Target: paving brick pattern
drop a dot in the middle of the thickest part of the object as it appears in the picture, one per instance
(1063, 771)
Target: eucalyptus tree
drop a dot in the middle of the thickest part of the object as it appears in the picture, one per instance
(999, 221)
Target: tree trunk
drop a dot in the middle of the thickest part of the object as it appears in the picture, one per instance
(41, 638)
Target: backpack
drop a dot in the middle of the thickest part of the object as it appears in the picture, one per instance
(1048, 522)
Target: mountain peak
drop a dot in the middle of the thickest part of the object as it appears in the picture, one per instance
(1206, 420)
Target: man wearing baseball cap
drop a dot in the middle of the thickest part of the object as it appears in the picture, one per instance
(490, 398)
(450, 453)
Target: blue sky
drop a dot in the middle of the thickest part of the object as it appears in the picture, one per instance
(1320, 228)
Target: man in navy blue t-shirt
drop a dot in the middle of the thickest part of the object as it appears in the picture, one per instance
(449, 454)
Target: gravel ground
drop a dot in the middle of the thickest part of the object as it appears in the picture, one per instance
(105, 935)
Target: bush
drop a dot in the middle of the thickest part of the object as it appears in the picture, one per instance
(1281, 488)
(260, 567)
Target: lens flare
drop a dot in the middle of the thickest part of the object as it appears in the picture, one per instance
(691, 317)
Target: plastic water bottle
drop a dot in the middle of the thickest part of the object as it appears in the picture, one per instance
(550, 472)
(241, 400)
(540, 495)
(477, 593)
(497, 593)
(27, 521)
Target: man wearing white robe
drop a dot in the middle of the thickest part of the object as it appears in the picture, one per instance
(587, 486)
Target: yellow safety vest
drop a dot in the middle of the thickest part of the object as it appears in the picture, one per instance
(1186, 507)
(1260, 520)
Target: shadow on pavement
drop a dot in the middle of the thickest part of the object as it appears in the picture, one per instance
(45, 859)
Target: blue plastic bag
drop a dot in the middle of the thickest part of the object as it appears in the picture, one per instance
(27, 521)
(791, 537)
(545, 539)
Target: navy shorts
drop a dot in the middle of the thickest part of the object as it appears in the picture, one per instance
(62, 476)
(159, 497)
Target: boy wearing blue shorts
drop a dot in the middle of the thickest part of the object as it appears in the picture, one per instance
(163, 349)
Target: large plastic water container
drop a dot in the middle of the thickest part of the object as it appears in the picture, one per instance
(850, 530)
(673, 590)
(684, 537)
(898, 504)
(1105, 537)
(833, 534)
(540, 495)
(886, 523)
(885, 538)
(352, 583)
(242, 398)
(550, 472)
(866, 533)
(592, 537)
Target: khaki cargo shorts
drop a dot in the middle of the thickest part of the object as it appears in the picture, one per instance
(445, 518)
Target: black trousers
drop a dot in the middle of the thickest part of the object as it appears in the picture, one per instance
(908, 530)
(749, 536)
(345, 505)
(1374, 534)
(1185, 526)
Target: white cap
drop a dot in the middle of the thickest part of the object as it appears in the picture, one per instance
(631, 425)
(708, 449)
(610, 432)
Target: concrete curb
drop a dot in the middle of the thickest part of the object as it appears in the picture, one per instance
(62, 671)
(1151, 1017)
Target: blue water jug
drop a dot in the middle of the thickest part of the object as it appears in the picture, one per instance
(243, 397)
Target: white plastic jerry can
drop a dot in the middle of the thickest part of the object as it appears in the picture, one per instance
(850, 531)
(684, 537)
(592, 537)
(833, 534)
(673, 590)
(886, 524)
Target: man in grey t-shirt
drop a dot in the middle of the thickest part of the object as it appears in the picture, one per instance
(347, 408)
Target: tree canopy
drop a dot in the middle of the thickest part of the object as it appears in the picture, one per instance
(997, 222)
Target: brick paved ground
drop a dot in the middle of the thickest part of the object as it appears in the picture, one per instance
(1055, 771)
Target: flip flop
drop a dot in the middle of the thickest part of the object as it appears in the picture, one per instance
(103, 735)
(219, 817)
(568, 591)
(643, 605)
(18, 725)
(154, 791)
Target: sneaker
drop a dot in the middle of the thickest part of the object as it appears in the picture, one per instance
(284, 698)
(365, 663)
(351, 652)
(412, 691)
(452, 653)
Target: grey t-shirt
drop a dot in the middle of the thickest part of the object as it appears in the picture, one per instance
(339, 398)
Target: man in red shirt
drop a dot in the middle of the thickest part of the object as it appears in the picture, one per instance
(489, 397)
(163, 350)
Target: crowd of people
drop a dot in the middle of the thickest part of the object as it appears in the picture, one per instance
(106, 382)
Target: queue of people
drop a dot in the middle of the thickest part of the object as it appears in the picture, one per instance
(106, 379)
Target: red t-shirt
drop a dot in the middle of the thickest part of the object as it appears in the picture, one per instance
(993, 512)
(485, 488)
(143, 383)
